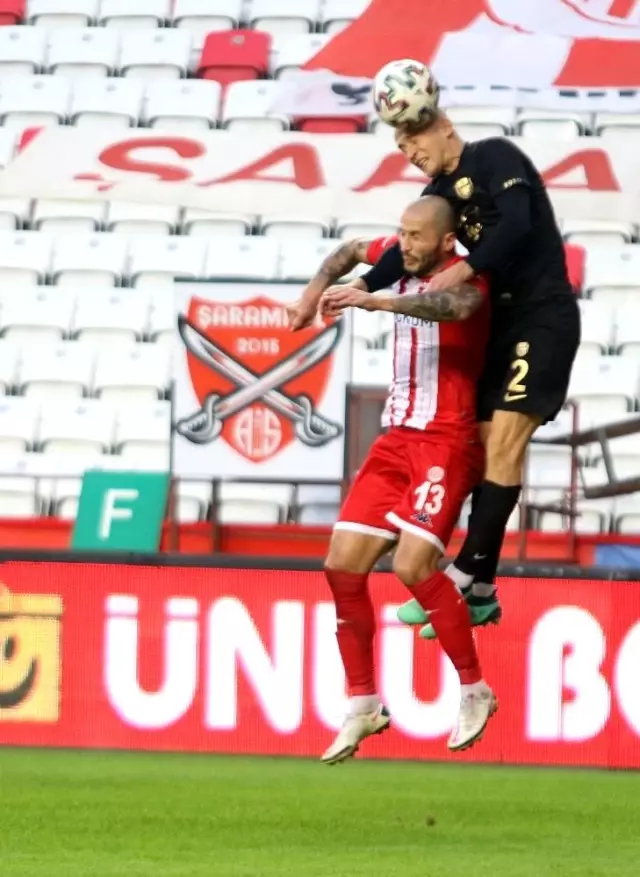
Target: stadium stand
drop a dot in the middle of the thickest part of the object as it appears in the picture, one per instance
(85, 317)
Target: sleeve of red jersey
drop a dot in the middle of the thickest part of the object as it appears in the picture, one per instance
(481, 282)
(378, 247)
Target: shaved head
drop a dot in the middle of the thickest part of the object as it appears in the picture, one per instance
(427, 234)
(433, 210)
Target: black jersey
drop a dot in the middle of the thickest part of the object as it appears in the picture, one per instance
(505, 220)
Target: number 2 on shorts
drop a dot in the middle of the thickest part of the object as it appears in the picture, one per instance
(516, 388)
(429, 498)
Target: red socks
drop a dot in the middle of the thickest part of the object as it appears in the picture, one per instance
(356, 628)
(449, 615)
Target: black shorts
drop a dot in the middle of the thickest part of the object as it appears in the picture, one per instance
(529, 359)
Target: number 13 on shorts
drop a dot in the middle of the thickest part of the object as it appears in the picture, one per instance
(429, 498)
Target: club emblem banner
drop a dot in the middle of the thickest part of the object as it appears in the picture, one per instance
(253, 398)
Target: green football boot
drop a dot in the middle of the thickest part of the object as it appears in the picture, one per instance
(483, 610)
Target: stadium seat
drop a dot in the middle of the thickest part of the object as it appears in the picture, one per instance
(234, 55)
(616, 125)
(283, 16)
(143, 424)
(247, 108)
(628, 514)
(33, 100)
(594, 516)
(496, 120)
(76, 427)
(161, 53)
(597, 326)
(89, 51)
(25, 257)
(18, 424)
(291, 228)
(139, 218)
(22, 50)
(56, 371)
(111, 317)
(18, 498)
(301, 259)
(318, 514)
(193, 105)
(65, 217)
(532, 123)
(9, 362)
(291, 52)
(7, 147)
(374, 369)
(597, 231)
(141, 14)
(246, 258)
(151, 457)
(613, 273)
(338, 14)
(202, 20)
(156, 258)
(37, 314)
(206, 222)
(330, 125)
(366, 326)
(322, 494)
(98, 260)
(627, 326)
(605, 389)
(253, 503)
(15, 213)
(11, 12)
(58, 14)
(116, 103)
(246, 512)
(361, 228)
(137, 373)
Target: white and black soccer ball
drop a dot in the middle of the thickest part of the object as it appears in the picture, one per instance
(406, 93)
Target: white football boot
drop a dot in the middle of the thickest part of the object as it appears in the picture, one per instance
(354, 730)
(476, 708)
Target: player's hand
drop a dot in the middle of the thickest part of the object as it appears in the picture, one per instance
(453, 276)
(338, 298)
(301, 315)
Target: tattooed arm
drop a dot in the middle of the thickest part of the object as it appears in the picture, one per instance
(445, 306)
(338, 263)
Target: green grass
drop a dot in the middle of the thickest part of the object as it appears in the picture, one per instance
(80, 814)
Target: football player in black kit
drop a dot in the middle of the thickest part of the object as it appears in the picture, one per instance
(506, 221)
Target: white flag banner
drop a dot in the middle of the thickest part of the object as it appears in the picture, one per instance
(321, 93)
(251, 398)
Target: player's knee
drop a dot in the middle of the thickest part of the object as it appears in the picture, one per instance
(344, 557)
(413, 570)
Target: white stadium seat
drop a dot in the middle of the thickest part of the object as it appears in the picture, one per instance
(14, 213)
(161, 53)
(34, 100)
(68, 216)
(597, 326)
(107, 102)
(613, 273)
(99, 259)
(9, 363)
(193, 104)
(616, 125)
(137, 373)
(140, 218)
(627, 329)
(18, 424)
(363, 228)
(201, 19)
(628, 514)
(143, 424)
(58, 14)
(7, 146)
(373, 368)
(90, 51)
(18, 498)
(289, 52)
(38, 313)
(138, 14)
(246, 258)
(292, 228)
(605, 389)
(338, 14)
(22, 50)
(247, 107)
(541, 124)
(301, 259)
(283, 16)
(111, 316)
(317, 514)
(206, 222)
(496, 120)
(76, 427)
(56, 371)
(156, 258)
(593, 231)
(25, 257)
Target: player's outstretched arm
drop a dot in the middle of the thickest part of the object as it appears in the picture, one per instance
(443, 306)
(338, 263)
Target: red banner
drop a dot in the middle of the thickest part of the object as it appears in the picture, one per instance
(235, 661)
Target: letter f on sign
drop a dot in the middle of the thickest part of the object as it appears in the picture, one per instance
(111, 512)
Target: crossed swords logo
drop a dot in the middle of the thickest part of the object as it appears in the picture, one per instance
(205, 425)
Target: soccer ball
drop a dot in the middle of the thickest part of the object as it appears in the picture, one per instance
(405, 93)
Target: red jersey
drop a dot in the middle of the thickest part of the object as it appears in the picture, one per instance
(436, 366)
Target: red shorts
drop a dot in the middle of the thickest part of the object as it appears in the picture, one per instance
(415, 482)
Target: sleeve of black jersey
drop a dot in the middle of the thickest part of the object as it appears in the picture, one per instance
(506, 176)
(390, 267)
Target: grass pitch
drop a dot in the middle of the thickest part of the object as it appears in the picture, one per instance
(85, 814)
